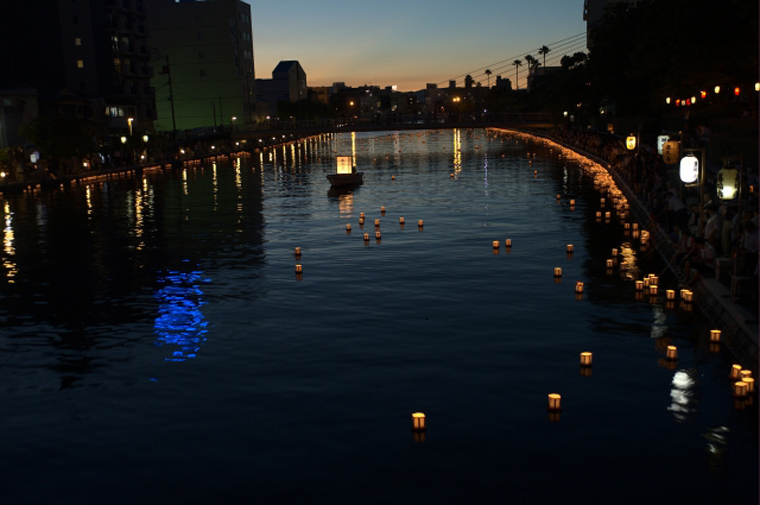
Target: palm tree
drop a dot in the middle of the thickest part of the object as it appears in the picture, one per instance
(532, 62)
(488, 73)
(517, 64)
(543, 50)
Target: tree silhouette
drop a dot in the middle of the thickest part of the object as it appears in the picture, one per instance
(517, 64)
(488, 73)
(542, 51)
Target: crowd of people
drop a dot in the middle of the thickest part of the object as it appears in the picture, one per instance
(701, 228)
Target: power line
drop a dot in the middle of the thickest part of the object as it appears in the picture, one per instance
(569, 44)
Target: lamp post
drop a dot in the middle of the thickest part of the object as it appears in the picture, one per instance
(129, 124)
(691, 170)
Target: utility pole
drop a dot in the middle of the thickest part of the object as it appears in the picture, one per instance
(171, 97)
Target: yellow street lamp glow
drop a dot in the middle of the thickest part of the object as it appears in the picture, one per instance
(667, 100)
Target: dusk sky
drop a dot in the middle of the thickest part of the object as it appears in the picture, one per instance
(411, 43)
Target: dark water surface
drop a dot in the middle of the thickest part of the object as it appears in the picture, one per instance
(157, 345)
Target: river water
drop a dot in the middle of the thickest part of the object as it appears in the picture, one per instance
(158, 346)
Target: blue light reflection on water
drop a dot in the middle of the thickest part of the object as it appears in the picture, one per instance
(180, 322)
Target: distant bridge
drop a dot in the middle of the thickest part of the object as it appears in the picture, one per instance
(271, 129)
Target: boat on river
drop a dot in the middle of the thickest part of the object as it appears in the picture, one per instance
(346, 174)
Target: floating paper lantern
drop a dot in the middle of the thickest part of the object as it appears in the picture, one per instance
(639, 285)
(348, 227)
(579, 287)
(672, 353)
(557, 272)
(559, 197)
(614, 252)
(366, 237)
(420, 223)
(736, 372)
(495, 244)
(715, 335)
(377, 235)
(688, 296)
(361, 215)
(745, 374)
(740, 389)
(570, 248)
(670, 294)
(750, 384)
(297, 251)
(653, 290)
(572, 203)
(610, 263)
(401, 220)
(508, 242)
(377, 223)
(599, 214)
(299, 268)
(586, 358)
(418, 422)
(382, 210)
(555, 401)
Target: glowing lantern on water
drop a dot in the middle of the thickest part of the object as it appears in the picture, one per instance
(495, 244)
(653, 289)
(377, 235)
(377, 223)
(578, 288)
(672, 353)
(508, 242)
(736, 372)
(555, 401)
(420, 223)
(688, 296)
(418, 422)
(740, 389)
(744, 374)
(572, 203)
(382, 210)
(557, 272)
(299, 269)
(586, 358)
(297, 251)
(670, 294)
(610, 263)
(401, 220)
(570, 248)
(750, 384)
(639, 285)
(348, 227)
(715, 335)
(366, 237)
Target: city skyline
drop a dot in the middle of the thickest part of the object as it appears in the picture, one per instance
(409, 45)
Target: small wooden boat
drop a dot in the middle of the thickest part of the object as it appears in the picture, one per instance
(346, 174)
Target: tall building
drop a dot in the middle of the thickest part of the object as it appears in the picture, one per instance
(288, 84)
(203, 60)
(88, 58)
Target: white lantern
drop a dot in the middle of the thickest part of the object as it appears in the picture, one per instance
(661, 143)
(728, 183)
(689, 169)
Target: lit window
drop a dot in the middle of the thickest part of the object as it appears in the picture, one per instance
(77, 41)
(80, 63)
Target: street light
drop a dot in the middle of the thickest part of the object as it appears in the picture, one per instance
(129, 123)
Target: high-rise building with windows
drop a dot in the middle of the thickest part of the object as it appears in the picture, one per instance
(203, 56)
(88, 58)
